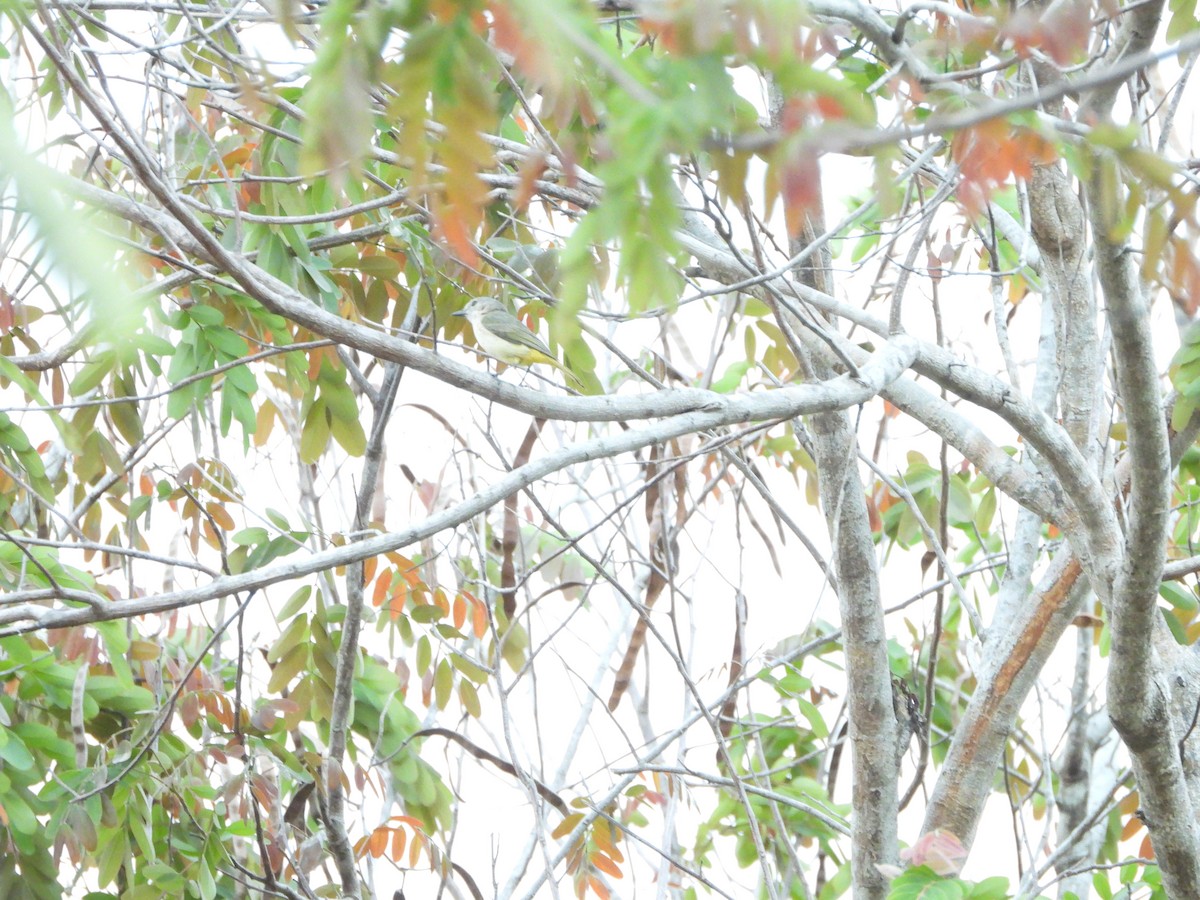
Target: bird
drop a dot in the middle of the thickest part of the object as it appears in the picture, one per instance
(504, 336)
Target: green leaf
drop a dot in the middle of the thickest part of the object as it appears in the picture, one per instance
(922, 883)
(469, 699)
(44, 739)
(164, 877)
(92, 373)
(114, 847)
(1181, 412)
(733, 376)
(295, 603)
(1180, 597)
(20, 817)
(426, 613)
(995, 888)
(1183, 19)
(250, 536)
(205, 883)
(80, 252)
(986, 511)
(443, 683)
(424, 655)
(813, 715)
(349, 434)
(1175, 627)
(205, 315)
(112, 693)
(865, 245)
(314, 437)
(139, 822)
(468, 668)
(14, 753)
(296, 633)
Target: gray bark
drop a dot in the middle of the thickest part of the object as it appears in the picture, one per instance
(873, 838)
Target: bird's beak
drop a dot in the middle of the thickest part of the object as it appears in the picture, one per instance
(461, 312)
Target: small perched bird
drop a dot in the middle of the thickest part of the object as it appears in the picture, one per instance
(504, 336)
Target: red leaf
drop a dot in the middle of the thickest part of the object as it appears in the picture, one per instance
(531, 57)
(801, 188)
(8, 314)
(1062, 32)
(938, 849)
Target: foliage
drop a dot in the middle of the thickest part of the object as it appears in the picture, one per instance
(298, 599)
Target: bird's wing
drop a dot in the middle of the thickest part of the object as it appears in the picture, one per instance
(495, 322)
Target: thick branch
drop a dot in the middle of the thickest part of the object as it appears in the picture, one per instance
(1016, 655)
(839, 393)
(1138, 690)
(1058, 228)
(966, 778)
(873, 731)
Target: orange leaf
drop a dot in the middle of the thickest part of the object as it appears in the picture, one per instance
(1132, 825)
(1146, 851)
(411, 821)
(263, 789)
(408, 569)
(531, 170)
(830, 108)
(220, 515)
(605, 865)
(531, 56)
(603, 837)
(396, 604)
(874, 520)
(453, 230)
(478, 617)
(379, 842)
(382, 585)
(238, 156)
(441, 602)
